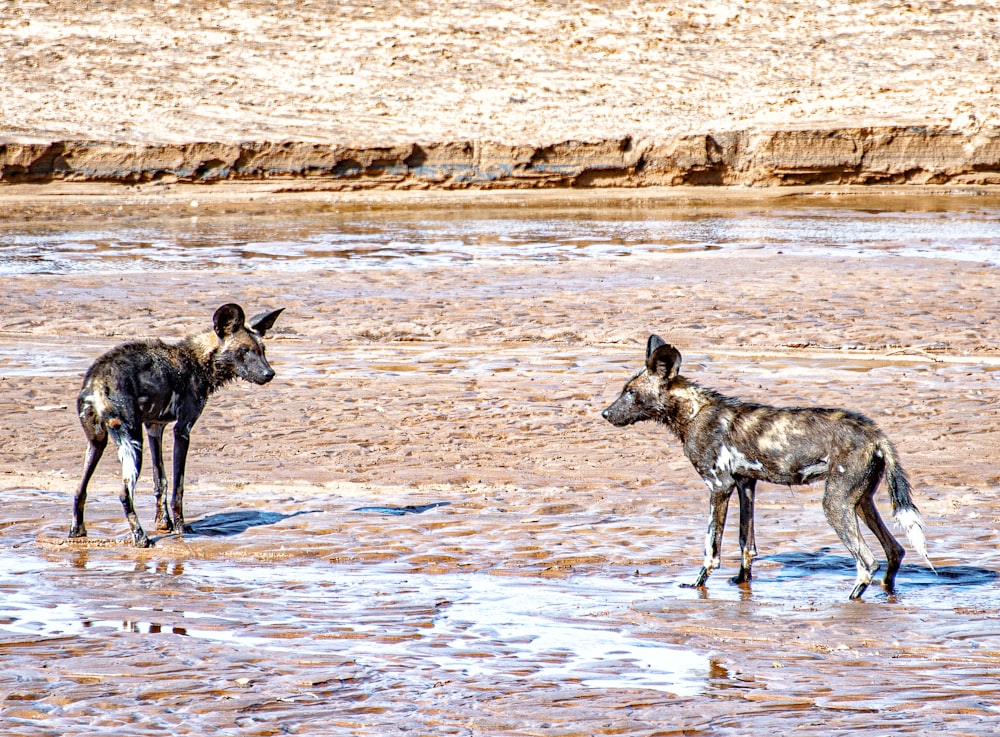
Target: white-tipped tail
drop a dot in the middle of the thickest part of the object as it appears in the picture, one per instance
(128, 454)
(913, 526)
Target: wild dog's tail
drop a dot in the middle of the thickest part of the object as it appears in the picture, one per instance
(129, 451)
(99, 416)
(904, 511)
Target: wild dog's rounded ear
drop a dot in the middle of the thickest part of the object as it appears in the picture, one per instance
(265, 321)
(228, 319)
(654, 342)
(664, 361)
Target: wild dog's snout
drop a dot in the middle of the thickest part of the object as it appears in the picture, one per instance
(266, 376)
(617, 413)
(254, 368)
(608, 414)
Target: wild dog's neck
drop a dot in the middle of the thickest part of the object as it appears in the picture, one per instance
(686, 400)
(205, 349)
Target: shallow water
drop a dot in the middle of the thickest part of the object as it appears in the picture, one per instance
(432, 241)
(474, 624)
(231, 640)
(455, 367)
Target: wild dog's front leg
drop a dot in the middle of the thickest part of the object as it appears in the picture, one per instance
(748, 545)
(721, 491)
(182, 441)
(155, 435)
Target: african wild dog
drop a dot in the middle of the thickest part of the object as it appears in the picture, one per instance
(152, 383)
(734, 444)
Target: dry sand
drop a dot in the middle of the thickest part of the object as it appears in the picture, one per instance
(511, 72)
(509, 94)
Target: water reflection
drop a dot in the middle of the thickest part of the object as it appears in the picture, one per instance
(473, 624)
(406, 240)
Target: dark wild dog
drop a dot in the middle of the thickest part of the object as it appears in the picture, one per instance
(152, 383)
(734, 444)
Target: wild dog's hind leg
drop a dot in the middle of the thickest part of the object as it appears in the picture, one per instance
(721, 491)
(748, 545)
(893, 550)
(155, 435)
(840, 502)
(97, 441)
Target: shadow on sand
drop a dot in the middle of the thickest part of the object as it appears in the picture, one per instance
(225, 524)
(913, 575)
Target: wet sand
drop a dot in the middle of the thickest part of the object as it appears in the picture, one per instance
(543, 598)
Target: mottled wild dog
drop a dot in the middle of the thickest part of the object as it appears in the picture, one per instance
(152, 383)
(734, 444)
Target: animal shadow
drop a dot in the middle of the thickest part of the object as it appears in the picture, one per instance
(915, 575)
(226, 524)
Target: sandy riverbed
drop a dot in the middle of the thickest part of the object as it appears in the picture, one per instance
(543, 597)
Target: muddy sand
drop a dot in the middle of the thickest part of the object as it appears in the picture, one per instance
(537, 592)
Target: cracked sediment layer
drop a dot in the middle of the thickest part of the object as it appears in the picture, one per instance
(894, 155)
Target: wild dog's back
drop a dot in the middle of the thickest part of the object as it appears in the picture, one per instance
(782, 445)
(140, 381)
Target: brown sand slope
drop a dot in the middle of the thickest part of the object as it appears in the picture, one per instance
(502, 94)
